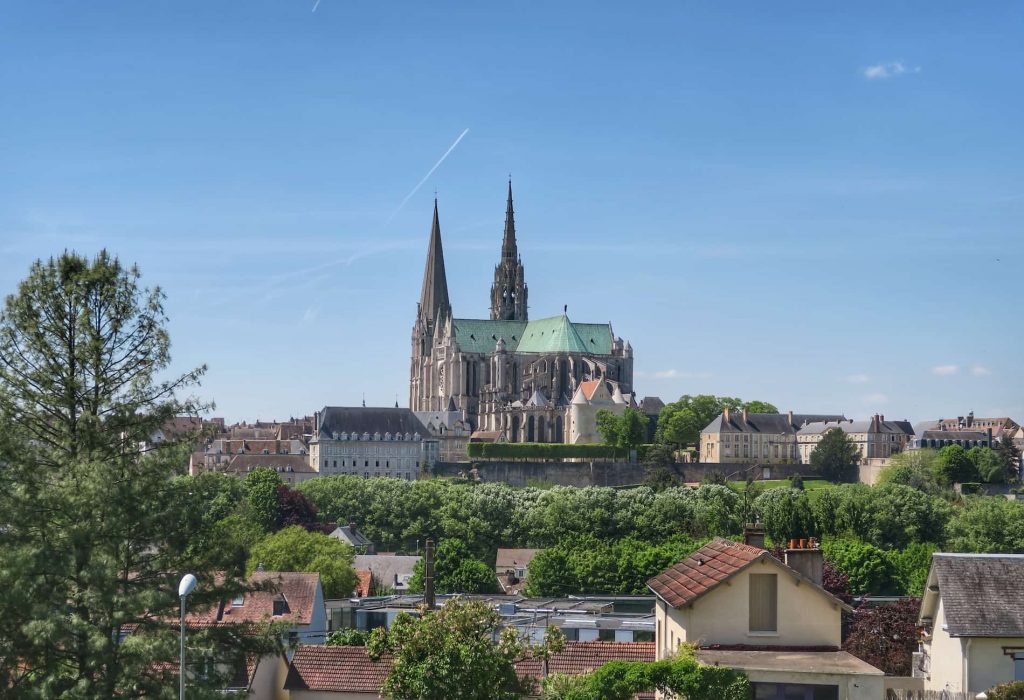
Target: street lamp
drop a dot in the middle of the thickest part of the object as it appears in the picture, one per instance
(187, 585)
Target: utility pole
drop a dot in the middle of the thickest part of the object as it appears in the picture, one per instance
(428, 575)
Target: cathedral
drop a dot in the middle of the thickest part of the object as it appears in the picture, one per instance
(508, 377)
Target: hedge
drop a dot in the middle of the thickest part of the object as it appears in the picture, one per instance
(543, 451)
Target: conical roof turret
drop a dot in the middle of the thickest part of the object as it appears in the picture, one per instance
(434, 295)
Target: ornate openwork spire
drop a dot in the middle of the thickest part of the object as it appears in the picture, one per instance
(508, 293)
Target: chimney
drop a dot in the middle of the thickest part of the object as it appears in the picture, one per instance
(428, 575)
(791, 418)
(753, 535)
(725, 414)
(805, 557)
(744, 414)
(316, 423)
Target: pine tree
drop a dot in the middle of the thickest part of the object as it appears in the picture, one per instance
(94, 530)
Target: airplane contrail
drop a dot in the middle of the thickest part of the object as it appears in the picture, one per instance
(426, 177)
(316, 5)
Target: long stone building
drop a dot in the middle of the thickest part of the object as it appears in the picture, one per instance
(508, 376)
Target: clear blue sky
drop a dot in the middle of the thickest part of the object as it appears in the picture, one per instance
(816, 206)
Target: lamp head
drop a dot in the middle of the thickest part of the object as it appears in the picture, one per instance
(187, 585)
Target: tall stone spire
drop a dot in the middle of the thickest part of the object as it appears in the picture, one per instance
(509, 292)
(434, 295)
(508, 244)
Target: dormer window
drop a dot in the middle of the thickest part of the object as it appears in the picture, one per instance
(238, 601)
(280, 606)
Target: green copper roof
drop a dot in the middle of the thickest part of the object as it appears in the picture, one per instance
(481, 335)
(545, 335)
(555, 334)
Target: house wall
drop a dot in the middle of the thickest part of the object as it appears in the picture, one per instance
(858, 687)
(987, 664)
(268, 681)
(805, 616)
(945, 657)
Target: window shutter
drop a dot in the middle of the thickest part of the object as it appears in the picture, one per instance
(764, 589)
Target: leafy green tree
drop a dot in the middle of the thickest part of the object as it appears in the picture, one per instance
(868, 568)
(1010, 457)
(836, 456)
(953, 466)
(348, 637)
(910, 566)
(296, 549)
(898, 515)
(456, 571)
(680, 423)
(627, 431)
(261, 492)
(786, 514)
(450, 654)
(760, 407)
(844, 509)
(94, 531)
(987, 525)
(681, 677)
(988, 465)
(914, 468)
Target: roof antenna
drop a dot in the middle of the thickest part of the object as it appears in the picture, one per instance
(565, 310)
(396, 400)
(364, 399)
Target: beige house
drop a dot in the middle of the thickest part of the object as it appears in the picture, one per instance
(745, 609)
(451, 430)
(740, 437)
(876, 438)
(973, 618)
(511, 567)
(361, 441)
(590, 397)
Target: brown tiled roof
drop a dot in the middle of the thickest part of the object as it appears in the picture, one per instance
(698, 573)
(363, 579)
(337, 669)
(589, 387)
(350, 669)
(297, 589)
(513, 558)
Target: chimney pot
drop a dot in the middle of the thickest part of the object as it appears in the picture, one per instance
(807, 560)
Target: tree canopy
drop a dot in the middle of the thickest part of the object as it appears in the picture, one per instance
(836, 456)
(94, 531)
(297, 549)
(680, 422)
(627, 431)
(456, 571)
(451, 654)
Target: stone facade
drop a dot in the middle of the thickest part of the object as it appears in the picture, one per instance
(360, 441)
(877, 439)
(740, 437)
(507, 374)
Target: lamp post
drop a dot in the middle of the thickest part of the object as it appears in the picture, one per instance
(187, 585)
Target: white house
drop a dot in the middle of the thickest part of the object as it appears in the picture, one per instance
(973, 618)
(745, 609)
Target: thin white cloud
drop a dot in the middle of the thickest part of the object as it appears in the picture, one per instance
(945, 370)
(311, 314)
(882, 71)
(857, 379)
(979, 371)
(876, 399)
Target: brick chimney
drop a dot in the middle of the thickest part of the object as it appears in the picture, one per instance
(725, 414)
(805, 557)
(744, 414)
(791, 418)
(753, 535)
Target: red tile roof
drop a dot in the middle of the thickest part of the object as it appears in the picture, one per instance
(338, 669)
(350, 669)
(298, 591)
(363, 580)
(589, 387)
(698, 573)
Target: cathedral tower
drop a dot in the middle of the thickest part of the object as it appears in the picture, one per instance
(432, 312)
(508, 293)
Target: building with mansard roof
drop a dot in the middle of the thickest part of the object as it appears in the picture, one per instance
(508, 375)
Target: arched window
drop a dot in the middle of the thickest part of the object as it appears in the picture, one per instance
(541, 429)
(530, 434)
(559, 436)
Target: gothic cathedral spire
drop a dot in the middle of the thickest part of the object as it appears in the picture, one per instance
(508, 293)
(434, 295)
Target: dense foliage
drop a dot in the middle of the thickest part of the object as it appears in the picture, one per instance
(680, 677)
(625, 432)
(296, 549)
(885, 636)
(94, 531)
(450, 654)
(456, 571)
(1007, 691)
(680, 422)
(836, 456)
(603, 566)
